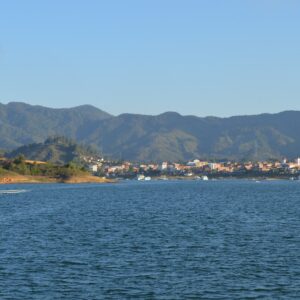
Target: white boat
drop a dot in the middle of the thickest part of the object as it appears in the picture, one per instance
(141, 177)
(12, 191)
(204, 177)
(148, 178)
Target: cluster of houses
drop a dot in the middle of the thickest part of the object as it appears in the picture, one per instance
(195, 167)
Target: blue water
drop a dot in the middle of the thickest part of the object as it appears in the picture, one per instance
(152, 240)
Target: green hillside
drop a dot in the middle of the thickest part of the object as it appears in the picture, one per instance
(24, 124)
(56, 150)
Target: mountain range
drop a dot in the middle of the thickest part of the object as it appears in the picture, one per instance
(168, 136)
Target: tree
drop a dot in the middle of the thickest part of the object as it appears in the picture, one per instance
(20, 159)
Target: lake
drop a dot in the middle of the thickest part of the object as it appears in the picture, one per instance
(226, 239)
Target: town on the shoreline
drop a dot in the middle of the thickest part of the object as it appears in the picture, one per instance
(62, 158)
(194, 169)
(105, 169)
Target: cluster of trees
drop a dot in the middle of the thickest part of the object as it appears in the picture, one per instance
(20, 166)
(56, 150)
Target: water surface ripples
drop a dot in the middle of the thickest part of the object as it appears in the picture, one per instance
(152, 240)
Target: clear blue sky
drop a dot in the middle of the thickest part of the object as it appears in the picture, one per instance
(149, 56)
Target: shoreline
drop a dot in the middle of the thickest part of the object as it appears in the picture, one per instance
(23, 179)
(183, 178)
(29, 179)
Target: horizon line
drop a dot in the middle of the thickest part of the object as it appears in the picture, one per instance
(149, 115)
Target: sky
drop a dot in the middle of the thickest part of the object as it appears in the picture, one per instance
(196, 57)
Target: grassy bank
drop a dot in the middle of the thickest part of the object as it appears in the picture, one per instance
(8, 177)
(21, 171)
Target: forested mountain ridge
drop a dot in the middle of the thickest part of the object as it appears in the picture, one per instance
(21, 123)
(169, 136)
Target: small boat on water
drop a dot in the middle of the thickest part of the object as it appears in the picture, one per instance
(204, 177)
(141, 177)
(12, 191)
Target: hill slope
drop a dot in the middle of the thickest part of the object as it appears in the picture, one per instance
(21, 123)
(57, 150)
(168, 136)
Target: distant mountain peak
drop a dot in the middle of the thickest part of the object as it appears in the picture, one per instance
(170, 114)
(83, 107)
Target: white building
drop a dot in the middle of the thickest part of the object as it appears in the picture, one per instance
(93, 168)
(212, 166)
(164, 166)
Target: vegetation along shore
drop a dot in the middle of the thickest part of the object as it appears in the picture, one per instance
(20, 170)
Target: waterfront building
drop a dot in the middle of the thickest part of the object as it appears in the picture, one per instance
(93, 168)
(164, 165)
